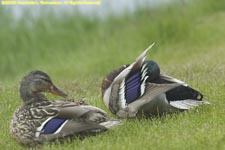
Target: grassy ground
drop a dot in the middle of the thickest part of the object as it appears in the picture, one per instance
(77, 52)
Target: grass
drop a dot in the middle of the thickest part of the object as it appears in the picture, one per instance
(77, 52)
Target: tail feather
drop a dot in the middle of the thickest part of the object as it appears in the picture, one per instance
(187, 104)
(111, 123)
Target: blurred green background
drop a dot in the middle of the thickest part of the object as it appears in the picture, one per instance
(77, 51)
(74, 45)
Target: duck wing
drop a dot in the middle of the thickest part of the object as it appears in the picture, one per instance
(152, 91)
(128, 85)
(156, 99)
(163, 78)
(73, 119)
(133, 67)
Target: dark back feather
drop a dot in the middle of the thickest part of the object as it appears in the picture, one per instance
(108, 79)
(183, 92)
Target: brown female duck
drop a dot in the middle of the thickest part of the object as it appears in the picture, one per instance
(40, 120)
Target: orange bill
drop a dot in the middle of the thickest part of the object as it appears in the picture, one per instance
(54, 90)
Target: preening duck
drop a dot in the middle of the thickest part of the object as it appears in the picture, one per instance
(40, 120)
(140, 88)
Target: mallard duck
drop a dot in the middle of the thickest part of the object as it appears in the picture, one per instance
(140, 88)
(40, 120)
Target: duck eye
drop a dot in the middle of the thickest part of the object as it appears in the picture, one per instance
(47, 80)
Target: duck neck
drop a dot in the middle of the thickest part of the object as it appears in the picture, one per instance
(30, 97)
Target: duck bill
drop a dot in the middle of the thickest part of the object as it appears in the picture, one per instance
(54, 90)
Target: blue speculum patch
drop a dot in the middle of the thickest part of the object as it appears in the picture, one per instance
(52, 125)
(132, 87)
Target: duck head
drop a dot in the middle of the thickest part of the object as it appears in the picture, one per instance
(153, 70)
(36, 82)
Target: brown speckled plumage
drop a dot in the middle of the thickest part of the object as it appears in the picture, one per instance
(27, 117)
